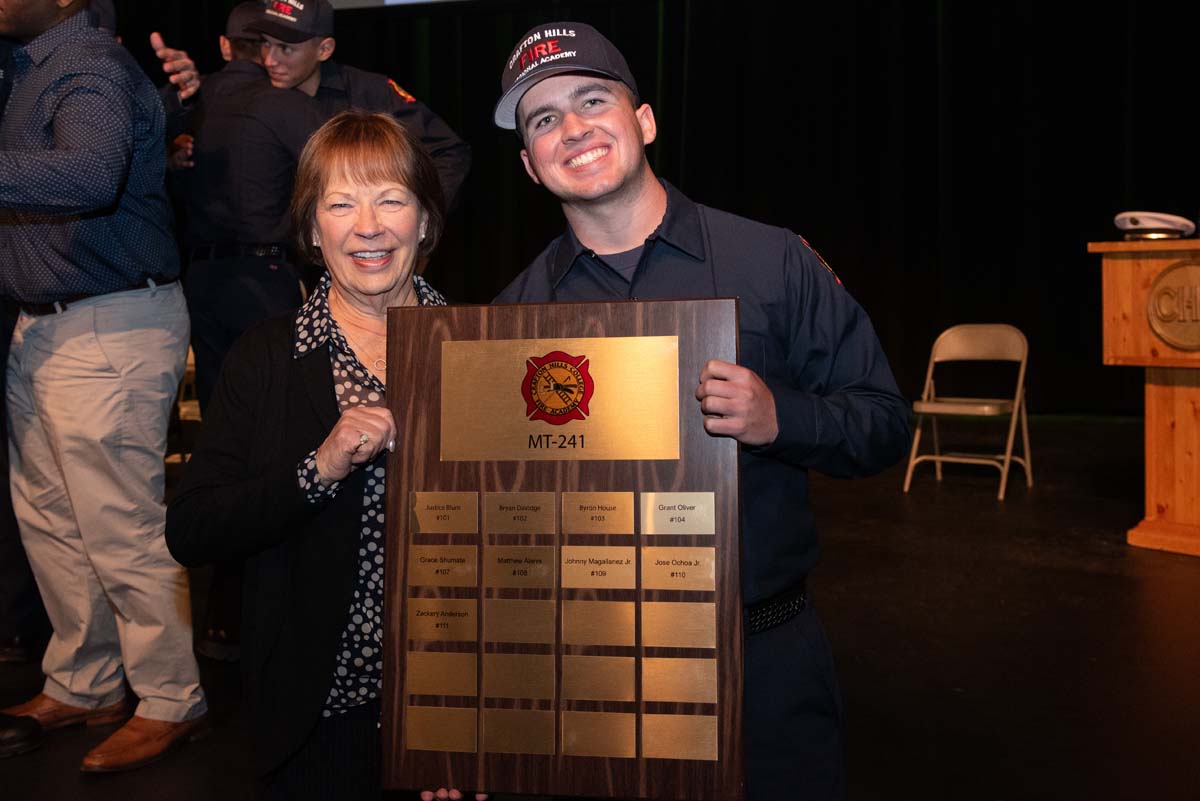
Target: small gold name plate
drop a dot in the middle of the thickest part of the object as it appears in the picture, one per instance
(597, 512)
(518, 512)
(442, 566)
(679, 569)
(560, 399)
(599, 567)
(520, 566)
(445, 513)
(442, 619)
(441, 673)
(678, 513)
(439, 728)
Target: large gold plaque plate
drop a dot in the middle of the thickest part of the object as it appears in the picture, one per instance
(500, 402)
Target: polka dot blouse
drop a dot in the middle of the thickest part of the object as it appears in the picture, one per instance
(358, 671)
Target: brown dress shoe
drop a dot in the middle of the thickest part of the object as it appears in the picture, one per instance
(53, 714)
(140, 742)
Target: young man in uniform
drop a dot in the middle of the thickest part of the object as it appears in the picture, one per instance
(812, 389)
(298, 45)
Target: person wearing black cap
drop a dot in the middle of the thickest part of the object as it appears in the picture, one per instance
(247, 139)
(812, 390)
(299, 43)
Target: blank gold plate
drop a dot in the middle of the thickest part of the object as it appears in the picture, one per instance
(692, 681)
(506, 620)
(597, 622)
(679, 625)
(602, 734)
(440, 673)
(518, 676)
(436, 728)
(518, 731)
(597, 678)
(679, 737)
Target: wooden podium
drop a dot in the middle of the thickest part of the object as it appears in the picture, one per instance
(1152, 319)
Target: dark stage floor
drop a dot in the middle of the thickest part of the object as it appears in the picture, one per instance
(987, 650)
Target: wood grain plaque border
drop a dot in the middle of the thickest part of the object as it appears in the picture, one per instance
(706, 329)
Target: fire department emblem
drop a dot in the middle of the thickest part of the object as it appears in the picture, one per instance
(557, 388)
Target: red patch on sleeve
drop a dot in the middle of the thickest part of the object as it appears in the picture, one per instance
(400, 91)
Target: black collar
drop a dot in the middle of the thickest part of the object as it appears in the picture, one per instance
(680, 228)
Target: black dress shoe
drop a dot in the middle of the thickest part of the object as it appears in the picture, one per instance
(19, 734)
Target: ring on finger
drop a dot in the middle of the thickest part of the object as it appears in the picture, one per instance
(362, 440)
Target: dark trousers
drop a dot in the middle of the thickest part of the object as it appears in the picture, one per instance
(793, 714)
(340, 761)
(21, 612)
(227, 296)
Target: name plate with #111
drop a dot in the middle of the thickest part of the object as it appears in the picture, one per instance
(562, 581)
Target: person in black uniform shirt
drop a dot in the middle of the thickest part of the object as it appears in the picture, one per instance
(247, 139)
(299, 44)
(813, 389)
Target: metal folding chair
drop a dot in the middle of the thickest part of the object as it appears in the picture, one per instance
(996, 342)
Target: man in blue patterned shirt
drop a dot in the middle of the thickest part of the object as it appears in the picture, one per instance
(86, 251)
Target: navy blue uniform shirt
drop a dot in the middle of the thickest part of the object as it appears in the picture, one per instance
(837, 404)
(345, 87)
(248, 139)
(83, 209)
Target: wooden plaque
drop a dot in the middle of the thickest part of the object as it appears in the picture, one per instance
(594, 647)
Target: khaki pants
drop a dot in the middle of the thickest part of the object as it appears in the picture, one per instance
(89, 396)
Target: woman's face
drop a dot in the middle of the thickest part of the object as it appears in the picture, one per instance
(369, 235)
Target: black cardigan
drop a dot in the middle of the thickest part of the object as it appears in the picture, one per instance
(240, 499)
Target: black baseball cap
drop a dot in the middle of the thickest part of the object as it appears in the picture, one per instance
(551, 49)
(243, 16)
(294, 21)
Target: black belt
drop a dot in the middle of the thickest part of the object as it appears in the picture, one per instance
(39, 309)
(776, 610)
(230, 251)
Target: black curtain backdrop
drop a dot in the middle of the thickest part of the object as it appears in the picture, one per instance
(949, 159)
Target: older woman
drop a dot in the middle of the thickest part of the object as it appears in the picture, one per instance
(289, 470)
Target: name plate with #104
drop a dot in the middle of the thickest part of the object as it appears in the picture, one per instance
(562, 586)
